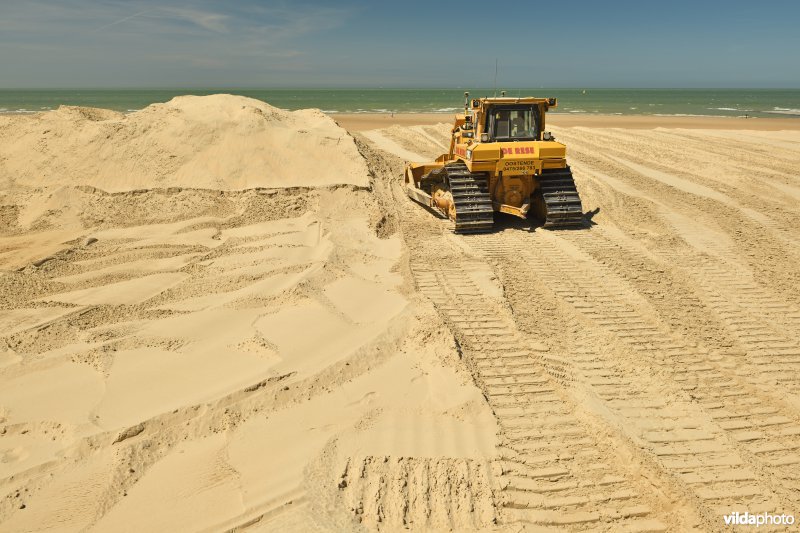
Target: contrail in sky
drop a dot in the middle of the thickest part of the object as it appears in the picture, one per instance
(120, 21)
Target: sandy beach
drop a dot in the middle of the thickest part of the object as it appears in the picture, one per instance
(369, 121)
(218, 315)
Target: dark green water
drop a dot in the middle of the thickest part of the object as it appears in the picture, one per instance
(712, 102)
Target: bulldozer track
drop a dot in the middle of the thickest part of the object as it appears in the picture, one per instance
(536, 422)
(561, 199)
(743, 450)
(474, 213)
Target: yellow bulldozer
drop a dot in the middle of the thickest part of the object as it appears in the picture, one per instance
(501, 159)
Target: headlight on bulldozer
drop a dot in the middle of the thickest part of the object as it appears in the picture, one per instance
(469, 154)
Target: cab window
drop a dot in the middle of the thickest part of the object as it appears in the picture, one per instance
(514, 123)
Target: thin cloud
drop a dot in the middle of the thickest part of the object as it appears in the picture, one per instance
(124, 19)
(150, 42)
(284, 22)
(211, 21)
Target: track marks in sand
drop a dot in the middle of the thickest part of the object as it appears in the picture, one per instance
(552, 472)
(619, 349)
(743, 168)
(669, 329)
(682, 230)
(726, 306)
(418, 493)
(559, 466)
(712, 182)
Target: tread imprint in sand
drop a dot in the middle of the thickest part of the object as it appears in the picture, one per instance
(417, 492)
(552, 471)
(741, 468)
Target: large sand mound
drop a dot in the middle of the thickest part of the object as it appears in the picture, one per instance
(218, 142)
(175, 358)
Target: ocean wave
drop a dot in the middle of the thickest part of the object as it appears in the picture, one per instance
(680, 115)
(445, 110)
(784, 111)
(361, 111)
(729, 109)
(577, 111)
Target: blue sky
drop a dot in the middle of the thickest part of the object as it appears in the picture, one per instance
(248, 43)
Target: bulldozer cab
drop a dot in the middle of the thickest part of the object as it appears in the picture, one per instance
(513, 123)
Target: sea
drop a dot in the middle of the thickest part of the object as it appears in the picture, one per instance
(657, 102)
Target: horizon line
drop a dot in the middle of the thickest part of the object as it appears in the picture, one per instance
(356, 88)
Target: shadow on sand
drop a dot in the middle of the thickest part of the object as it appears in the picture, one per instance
(503, 222)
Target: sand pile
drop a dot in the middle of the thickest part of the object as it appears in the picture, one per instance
(219, 142)
(175, 358)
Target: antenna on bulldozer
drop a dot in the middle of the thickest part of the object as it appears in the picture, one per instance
(495, 77)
